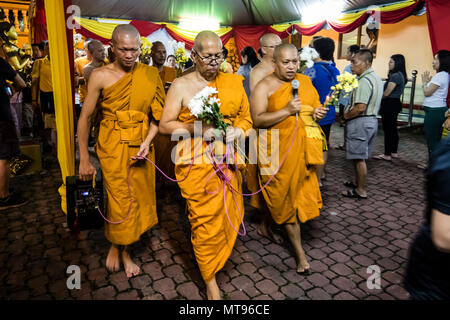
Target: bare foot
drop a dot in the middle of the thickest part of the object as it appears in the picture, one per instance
(131, 269)
(303, 265)
(265, 231)
(112, 260)
(212, 290)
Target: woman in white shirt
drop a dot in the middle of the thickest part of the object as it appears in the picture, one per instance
(435, 102)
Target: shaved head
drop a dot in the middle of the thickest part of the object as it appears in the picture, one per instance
(204, 37)
(93, 45)
(268, 39)
(125, 30)
(281, 48)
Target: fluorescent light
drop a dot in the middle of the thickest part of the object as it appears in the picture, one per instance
(199, 23)
(114, 21)
(322, 10)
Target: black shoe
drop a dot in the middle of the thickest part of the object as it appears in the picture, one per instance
(12, 201)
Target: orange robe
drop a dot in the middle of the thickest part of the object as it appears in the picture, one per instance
(294, 190)
(127, 108)
(163, 144)
(80, 63)
(212, 235)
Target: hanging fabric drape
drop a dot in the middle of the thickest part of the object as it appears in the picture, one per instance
(438, 13)
(248, 35)
(62, 88)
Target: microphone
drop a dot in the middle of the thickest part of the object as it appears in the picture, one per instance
(295, 84)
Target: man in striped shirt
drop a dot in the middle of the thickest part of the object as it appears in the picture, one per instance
(361, 120)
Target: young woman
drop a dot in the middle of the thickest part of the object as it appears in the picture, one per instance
(249, 60)
(435, 105)
(391, 105)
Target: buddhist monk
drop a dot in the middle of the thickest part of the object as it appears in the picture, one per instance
(293, 194)
(130, 96)
(163, 144)
(213, 235)
(268, 42)
(158, 55)
(80, 63)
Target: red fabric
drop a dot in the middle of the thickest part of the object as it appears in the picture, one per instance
(438, 12)
(349, 27)
(311, 30)
(145, 28)
(400, 14)
(69, 38)
(188, 43)
(40, 26)
(249, 36)
(87, 34)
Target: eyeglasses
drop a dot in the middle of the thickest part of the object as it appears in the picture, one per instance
(208, 60)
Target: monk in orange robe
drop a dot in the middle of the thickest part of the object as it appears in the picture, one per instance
(163, 144)
(293, 193)
(80, 63)
(130, 97)
(213, 235)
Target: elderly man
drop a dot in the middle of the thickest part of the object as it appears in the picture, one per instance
(294, 192)
(208, 201)
(268, 42)
(361, 120)
(130, 96)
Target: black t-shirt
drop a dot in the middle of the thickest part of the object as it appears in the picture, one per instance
(428, 271)
(6, 73)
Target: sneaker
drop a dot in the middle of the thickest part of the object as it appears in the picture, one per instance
(12, 201)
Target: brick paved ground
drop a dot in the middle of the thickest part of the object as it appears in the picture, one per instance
(349, 236)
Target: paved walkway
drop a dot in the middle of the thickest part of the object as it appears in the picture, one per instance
(348, 237)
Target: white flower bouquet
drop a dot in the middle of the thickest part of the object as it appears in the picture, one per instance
(205, 106)
(307, 57)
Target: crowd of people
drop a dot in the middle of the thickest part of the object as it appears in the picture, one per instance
(129, 110)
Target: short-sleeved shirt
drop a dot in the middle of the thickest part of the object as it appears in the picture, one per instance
(439, 98)
(427, 275)
(323, 76)
(42, 70)
(369, 92)
(6, 73)
(399, 81)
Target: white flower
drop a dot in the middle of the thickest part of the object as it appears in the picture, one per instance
(309, 54)
(196, 106)
(213, 100)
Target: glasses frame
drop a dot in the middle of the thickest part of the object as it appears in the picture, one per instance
(221, 59)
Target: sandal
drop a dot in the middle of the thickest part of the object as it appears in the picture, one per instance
(382, 157)
(353, 194)
(350, 184)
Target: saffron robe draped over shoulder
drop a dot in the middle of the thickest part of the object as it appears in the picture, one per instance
(212, 235)
(294, 190)
(163, 144)
(127, 108)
